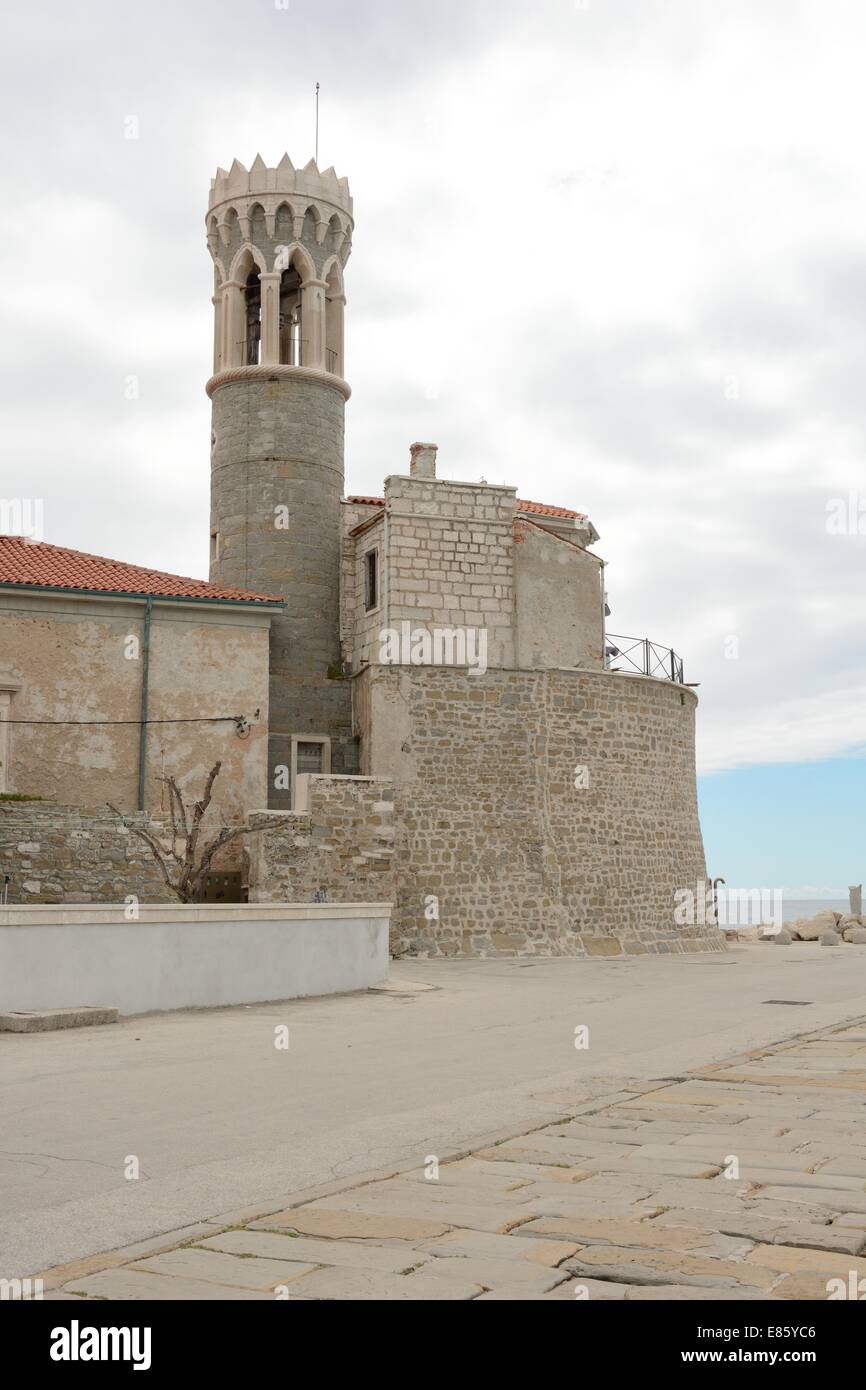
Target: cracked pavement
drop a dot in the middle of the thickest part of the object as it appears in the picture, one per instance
(219, 1118)
(743, 1181)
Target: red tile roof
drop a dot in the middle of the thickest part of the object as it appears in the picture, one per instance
(538, 508)
(34, 564)
(545, 509)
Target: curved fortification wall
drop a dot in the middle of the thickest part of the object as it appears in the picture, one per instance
(549, 812)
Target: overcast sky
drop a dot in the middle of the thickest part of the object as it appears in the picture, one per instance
(612, 252)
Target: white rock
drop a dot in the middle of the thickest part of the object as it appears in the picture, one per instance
(830, 938)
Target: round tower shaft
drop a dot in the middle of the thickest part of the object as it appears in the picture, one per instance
(279, 239)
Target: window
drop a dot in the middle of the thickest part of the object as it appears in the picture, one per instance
(371, 580)
(311, 754)
(310, 757)
(214, 546)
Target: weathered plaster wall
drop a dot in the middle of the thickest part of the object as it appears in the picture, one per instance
(495, 838)
(558, 597)
(67, 659)
(60, 854)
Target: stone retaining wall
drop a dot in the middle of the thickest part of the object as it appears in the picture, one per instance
(62, 854)
(342, 848)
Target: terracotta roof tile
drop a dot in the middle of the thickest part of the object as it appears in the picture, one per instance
(537, 508)
(30, 564)
(545, 509)
(368, 501)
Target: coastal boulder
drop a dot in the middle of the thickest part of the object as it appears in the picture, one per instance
(812, 928)
(830, 938)
(857, 935)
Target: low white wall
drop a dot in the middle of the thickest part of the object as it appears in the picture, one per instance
(179, 956)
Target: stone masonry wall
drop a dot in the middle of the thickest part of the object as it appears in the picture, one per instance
(61, 854)
(342, 847)
(499, 851)
(450, 559)
(360, 627)
(276, 489)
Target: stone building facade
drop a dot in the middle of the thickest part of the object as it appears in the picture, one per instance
(443, 643)
(113, 676)
(436, 713)
(468, 558)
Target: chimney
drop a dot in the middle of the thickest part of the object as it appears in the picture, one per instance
(422, 460)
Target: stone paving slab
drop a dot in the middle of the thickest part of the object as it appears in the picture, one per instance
(127, 1283)
(216, 1267)
(363, 1286)
(624, 1197)
(486, 1244)
(346, 1253)
(351, 1224)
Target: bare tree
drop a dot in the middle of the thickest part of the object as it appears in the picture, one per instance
(182, 866)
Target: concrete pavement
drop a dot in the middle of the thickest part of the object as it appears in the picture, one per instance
(217, 1115)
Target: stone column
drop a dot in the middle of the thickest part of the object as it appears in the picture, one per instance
(270, 282)
(234, 322)
(313, 323)
(217, 302)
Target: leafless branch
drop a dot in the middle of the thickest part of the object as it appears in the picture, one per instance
(187, 873)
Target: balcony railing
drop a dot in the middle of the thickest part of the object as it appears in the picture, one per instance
(250, 354)
(641, 656)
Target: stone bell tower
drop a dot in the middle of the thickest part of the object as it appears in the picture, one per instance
(279, 239)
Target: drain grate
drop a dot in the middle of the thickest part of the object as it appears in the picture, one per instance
(787, 1001)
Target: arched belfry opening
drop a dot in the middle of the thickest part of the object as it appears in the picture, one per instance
(292, 348)
(284, 223)
(257, 224)
(252, 345)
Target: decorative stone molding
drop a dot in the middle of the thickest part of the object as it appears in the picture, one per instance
(277, 372)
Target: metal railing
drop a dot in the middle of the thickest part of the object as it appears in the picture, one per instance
(249, 353)
(640, 655)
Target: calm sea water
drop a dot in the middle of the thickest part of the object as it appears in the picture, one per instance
(807, 907)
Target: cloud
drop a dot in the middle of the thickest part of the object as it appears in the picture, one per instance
(610, 253)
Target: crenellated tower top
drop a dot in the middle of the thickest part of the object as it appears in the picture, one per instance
(309, 182)
(279, 239)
